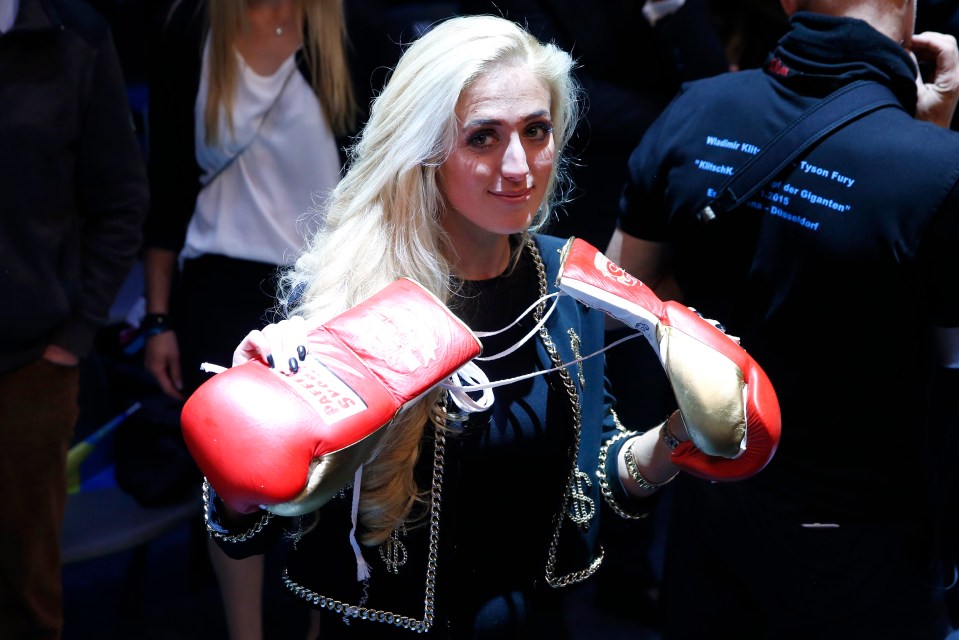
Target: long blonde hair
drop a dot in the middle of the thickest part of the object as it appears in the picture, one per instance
(325, 47)
(383, 219)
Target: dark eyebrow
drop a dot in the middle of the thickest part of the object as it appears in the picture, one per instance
(486, 122)
(480, 123)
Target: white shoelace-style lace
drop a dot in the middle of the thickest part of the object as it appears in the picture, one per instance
(470, 379)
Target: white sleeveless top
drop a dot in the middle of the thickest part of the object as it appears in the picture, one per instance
(261, 205)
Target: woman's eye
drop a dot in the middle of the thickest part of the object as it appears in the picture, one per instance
(539, 131)
(480, 139)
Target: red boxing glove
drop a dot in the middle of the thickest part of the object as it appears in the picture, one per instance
(288, 442)
(726, 400)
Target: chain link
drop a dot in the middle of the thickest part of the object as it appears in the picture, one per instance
(576, 576)
(240, 537)
(604, 481)
(377, 615)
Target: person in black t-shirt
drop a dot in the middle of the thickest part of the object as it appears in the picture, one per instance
(848, 253)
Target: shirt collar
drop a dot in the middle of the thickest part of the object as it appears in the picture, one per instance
(826, 52)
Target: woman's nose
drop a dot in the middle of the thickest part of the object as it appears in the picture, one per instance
(515, 165)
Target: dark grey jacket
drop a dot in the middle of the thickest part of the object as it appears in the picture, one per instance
(72, 179)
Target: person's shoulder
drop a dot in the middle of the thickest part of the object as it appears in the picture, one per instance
(731, 82)
(548, 242)
(724, 93)
(949, 136)
(907, 136)
(550, 250)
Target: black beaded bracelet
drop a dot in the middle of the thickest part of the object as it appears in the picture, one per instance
(154, 324)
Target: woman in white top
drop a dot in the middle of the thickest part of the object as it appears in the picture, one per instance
(250, 104)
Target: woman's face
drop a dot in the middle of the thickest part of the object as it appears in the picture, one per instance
(496, 176)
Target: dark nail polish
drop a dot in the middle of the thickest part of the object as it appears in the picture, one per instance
(301, 351)
(269, 361)
(294, 365)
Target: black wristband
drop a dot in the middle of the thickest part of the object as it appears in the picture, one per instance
(154, 324)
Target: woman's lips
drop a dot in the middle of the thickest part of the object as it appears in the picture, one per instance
(514, 196)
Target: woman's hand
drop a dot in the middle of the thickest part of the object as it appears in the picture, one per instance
(161, 357)
(281, 345)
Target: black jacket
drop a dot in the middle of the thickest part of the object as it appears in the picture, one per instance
(832, 272)
(72, 180)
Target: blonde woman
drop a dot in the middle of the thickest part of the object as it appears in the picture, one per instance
(251, 102)
(468, 525)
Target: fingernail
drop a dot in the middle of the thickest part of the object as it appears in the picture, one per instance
(721, 327)
(269, 361)
(294, 365)
(301, 351)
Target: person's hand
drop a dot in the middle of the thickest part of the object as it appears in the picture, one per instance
(282, 344)
(60, 356)
(162, 359)
(938, 93)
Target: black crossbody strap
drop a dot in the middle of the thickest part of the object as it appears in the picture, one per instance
(829, 114)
